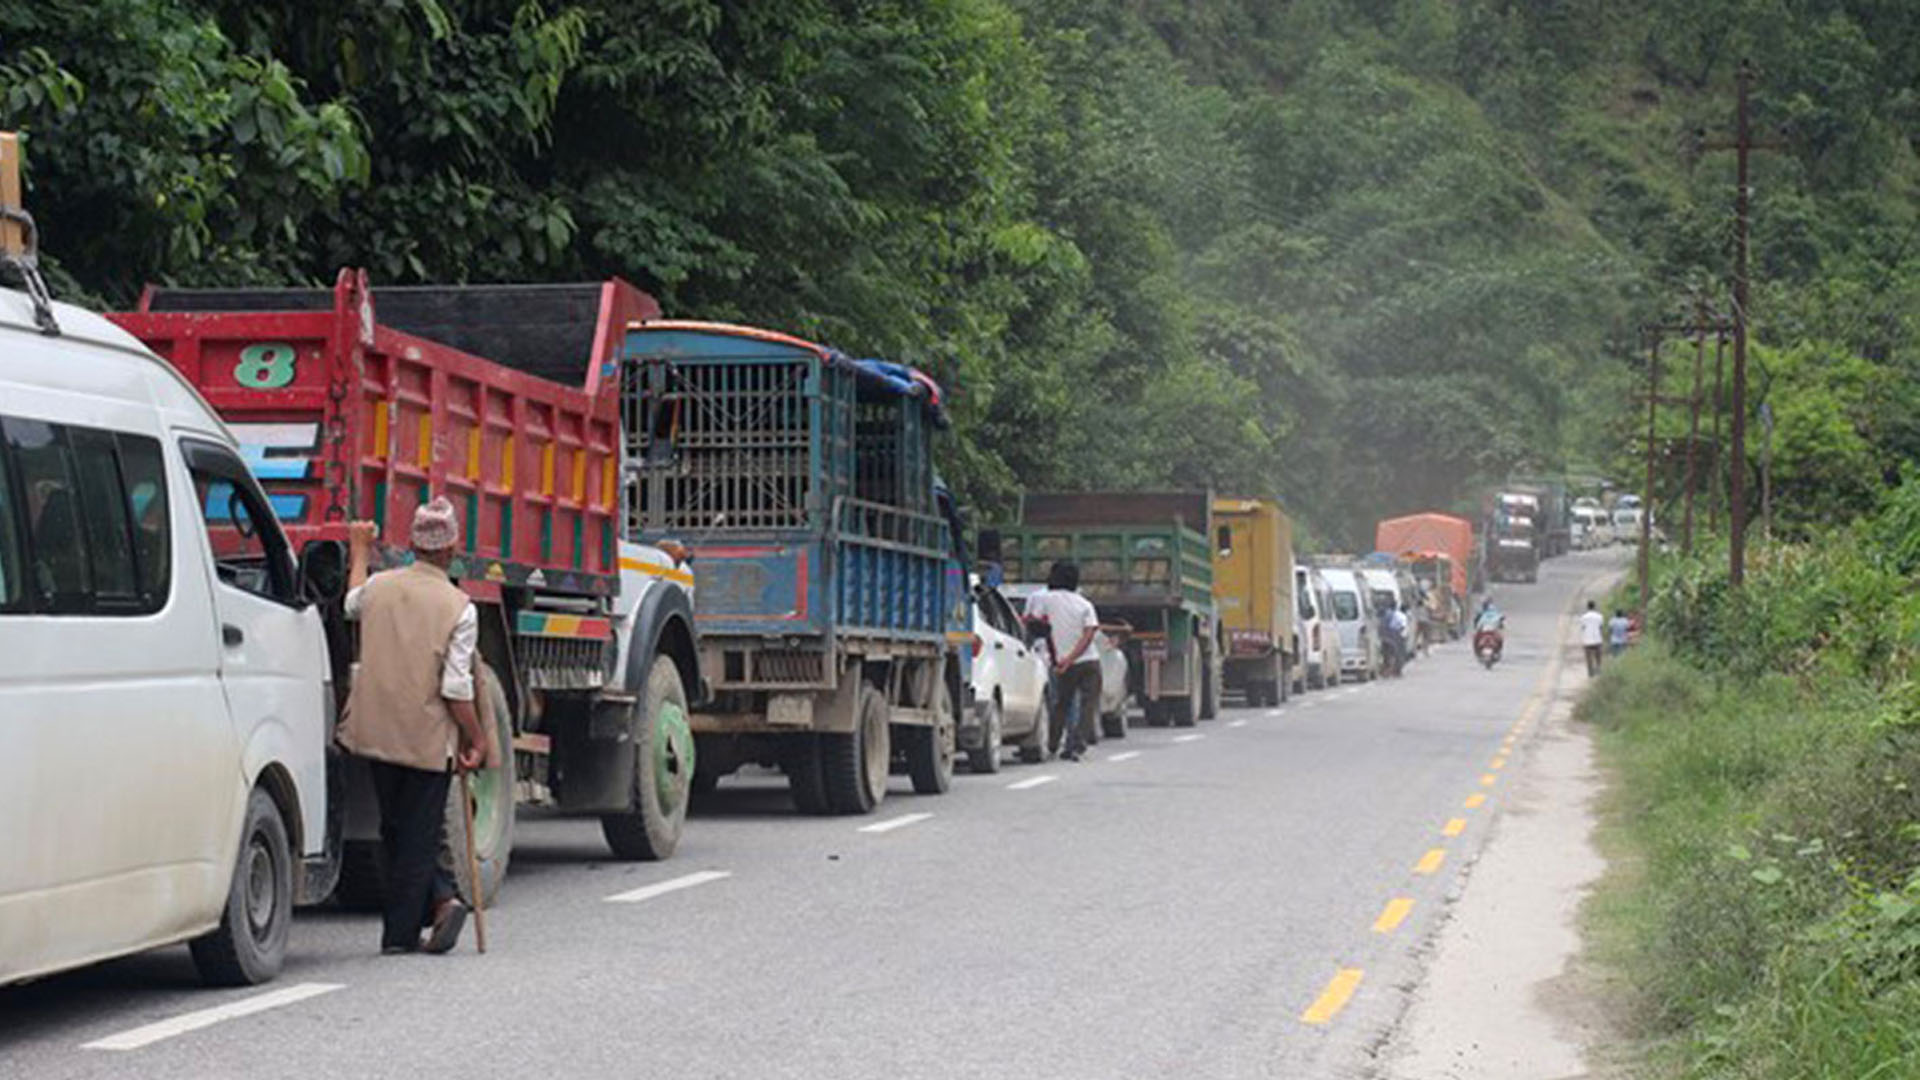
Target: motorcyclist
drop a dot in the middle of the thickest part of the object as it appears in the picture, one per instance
(1491, 625)
(1393, 636)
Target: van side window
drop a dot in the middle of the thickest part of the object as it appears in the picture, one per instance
(58, 574)
(12, 576)
(103, 505)
(145, 479)
(249, 550)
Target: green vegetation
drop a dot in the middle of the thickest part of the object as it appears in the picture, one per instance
(1765, 906)
(1362, 254)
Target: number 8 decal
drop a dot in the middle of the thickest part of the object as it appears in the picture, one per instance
(267, 366)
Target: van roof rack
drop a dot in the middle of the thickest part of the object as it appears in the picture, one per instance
(20, 237)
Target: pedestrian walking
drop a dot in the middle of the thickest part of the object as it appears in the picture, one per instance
(411, 715)
(1619, 632)
(1592, 636)
(1071, 624)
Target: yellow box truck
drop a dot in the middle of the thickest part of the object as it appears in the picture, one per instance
(1253, 589)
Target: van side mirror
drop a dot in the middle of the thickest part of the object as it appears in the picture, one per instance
(322, 574)
(989, 544)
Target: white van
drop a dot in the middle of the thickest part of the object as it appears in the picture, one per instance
(1313, 622)
(1359, 651)
(164, 705)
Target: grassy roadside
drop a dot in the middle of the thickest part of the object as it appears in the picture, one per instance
(1763, 909)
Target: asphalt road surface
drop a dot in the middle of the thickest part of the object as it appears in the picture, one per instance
(1245, 899)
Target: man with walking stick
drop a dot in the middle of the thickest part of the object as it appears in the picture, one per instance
(411, 715)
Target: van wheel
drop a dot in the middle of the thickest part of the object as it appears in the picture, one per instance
(251, 942)
(992, 729)
(662, 771)
(856, 764)
(493, 790)
(1034, 748)
(931, 750)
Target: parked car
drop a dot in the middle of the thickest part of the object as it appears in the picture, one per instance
(1353, 617)
(1115, 670)
(1010, 698)
(1319, 638)
(164, 715)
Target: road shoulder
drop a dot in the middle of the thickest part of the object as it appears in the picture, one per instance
(1505, 995)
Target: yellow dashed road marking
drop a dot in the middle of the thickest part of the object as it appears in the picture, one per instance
(1339, 991)
(1395, 914)
(1430, 862)
(1476, 801)
(1455, 826)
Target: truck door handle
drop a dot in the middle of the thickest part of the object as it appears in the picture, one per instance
(231, 636)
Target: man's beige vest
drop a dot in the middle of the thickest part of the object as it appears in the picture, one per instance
(395, 712)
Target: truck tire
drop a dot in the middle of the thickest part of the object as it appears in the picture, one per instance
(856, 764)
(1114, 725)
(986, 759)
(493, 799)
(251, 941)
(662, 771)
(1209, 685)
(931, 750)
(805, 779)
(1034, 748)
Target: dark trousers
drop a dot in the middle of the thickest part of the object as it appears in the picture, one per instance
(1593, 660)
(413, 807)
(1082, 682)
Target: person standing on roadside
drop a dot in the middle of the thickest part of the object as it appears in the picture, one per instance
(1071, 624)
(411, 715)
(1592, 636)
(1619, 631)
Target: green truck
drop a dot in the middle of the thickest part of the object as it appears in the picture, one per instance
(1146, 562)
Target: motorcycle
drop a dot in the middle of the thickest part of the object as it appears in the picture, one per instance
(1486, 647)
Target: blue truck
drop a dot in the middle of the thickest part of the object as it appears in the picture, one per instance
(832, 602)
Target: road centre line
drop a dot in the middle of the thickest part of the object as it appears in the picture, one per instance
(200, 1018)
(1395, 913)
(1487, 779)
(1032, 782)
(1236, 723)
(1476, 801)
(1124, 755)
(1192, 737)
(893, 823)
(1430, 862)
(1454, 827)
(661, 888)
(1497, 763)
(1339, 991)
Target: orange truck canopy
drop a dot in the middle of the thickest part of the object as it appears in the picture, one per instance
(1444, 533)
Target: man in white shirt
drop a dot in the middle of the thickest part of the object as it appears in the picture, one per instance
(1071, 623)
(1593, 634)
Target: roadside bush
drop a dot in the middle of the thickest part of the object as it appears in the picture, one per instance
(1765, 905)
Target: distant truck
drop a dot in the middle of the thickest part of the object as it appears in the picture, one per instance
(1513, 541)
(362, 403)
(1146, 559)
(833, 606)
(1553, 515)
(1438, 548)
(1253, 586)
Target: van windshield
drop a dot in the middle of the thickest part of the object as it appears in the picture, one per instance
(1346, 606)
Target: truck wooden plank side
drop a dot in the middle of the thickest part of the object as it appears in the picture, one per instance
(833, 607)
(363, 403)
(1145, 559)
(1253, 586)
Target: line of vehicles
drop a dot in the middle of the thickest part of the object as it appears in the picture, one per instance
(693, 547)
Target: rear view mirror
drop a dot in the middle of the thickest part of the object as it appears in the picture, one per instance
(237, 513)
(323, 571)
(989, 544)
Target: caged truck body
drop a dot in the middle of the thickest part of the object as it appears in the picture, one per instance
(833, 613)
(362, 403)
(1146, 560)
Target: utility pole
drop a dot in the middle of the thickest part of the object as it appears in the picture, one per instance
(1646, 495)
(1693, 422)
(1717, 487)
(1737, 424)
(1766, 473)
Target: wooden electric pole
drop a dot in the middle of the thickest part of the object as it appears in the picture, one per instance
(1693, 421)
(1737, 421)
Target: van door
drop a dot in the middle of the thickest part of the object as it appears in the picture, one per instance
(273, 653)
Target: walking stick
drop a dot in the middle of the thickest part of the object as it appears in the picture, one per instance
(473, 865)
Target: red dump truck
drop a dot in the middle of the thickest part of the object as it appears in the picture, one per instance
(362, 403)
(1438, 549)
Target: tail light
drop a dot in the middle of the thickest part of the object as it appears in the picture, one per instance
(975, 642)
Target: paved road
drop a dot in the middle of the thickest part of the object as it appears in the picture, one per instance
(1215, 903)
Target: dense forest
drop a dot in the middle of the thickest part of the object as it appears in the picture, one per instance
(1360, 254)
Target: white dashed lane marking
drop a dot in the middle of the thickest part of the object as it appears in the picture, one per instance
(194, 1021)
(661, 888)
(1032, 782)
(893, 823)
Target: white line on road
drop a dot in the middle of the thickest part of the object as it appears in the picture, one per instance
(1188, 738)
(893, 823)
(1311, 702)
(1236, 723)
(1126, 755)
(194, 1021)
(648, 892)
(1031, 782)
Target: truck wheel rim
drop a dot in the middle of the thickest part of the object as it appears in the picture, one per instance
(486, 784)
(877, 751)
(672, 757)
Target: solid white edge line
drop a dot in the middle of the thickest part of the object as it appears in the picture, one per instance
(1032, 782)
(893, 823)
(194, 1021)
(1188, 738)
(1124, 755)
(661, 888)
